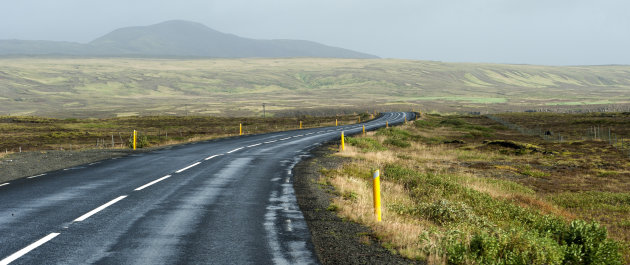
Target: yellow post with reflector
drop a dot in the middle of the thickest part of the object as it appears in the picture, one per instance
(376, 181)
(135, 136)
(300, 124)
(336, 122)
(343, 145)
(240, 129)
(363, 129)
(386, 124)
(405, 119)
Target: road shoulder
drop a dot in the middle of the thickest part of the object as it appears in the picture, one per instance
(336, 241)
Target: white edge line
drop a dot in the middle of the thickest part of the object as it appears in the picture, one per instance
(152, 182)
(100, 208)
(211, 157)
(28, 249)
(4, 184)
(235, 150)
(188, 167)
(36, 176)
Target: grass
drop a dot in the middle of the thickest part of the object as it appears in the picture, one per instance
(31, 133)
(481, 201)
(104, 88)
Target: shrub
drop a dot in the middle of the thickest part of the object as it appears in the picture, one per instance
(587, 243)
(365, 144)
(141, 141)
(397, 142)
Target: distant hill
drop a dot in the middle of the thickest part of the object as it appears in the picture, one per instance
(178, 39)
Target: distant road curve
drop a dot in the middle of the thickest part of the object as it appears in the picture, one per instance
(227, 201)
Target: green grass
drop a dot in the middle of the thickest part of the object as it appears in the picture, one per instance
(594, 200)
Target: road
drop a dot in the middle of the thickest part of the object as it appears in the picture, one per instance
(227, 201)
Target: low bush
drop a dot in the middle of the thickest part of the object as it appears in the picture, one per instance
(365, 144)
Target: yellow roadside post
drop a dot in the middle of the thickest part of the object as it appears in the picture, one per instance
(386, 124)
(377, 194)
(336, 122)
(405, 119)
(240, 129)
(363, 129)
(359, 119)
(300, 124)
(135, 135)
(343, 146)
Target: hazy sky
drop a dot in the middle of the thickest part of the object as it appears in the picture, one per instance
(556, 32)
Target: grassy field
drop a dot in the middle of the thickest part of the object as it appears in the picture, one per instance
(468, 190)
(104, 88)
(38, 133)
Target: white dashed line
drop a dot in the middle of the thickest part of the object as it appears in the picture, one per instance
(268, 142)
(188, 167)
(152, 182)
(285, 139)
(100, 208)
(36, 176)
(4, 184)
(235, 150)
(253, 145)
(211, 157)
(28, 249)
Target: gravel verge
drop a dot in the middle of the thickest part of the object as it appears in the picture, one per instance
(19, 165)
(336, 241)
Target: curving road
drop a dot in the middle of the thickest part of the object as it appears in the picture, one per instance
(227, 201)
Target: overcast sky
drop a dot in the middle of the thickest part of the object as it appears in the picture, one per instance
(552, 32)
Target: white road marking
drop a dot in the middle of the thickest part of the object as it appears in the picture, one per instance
(36, 176)
(152, 182)
(211, 157)
(235, 150)
(100, 208)
(285, 138)
(300, 135)
(254, 145)
(268, 142)
(28, 249)
(188, 167)
(4, 184)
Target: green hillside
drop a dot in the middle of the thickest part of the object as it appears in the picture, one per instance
(119, 87)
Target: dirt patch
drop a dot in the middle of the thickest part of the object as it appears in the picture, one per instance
(19, 165)
(336, 241)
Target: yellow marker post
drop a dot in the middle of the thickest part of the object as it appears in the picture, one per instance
(363, 129)
(240, 129)
(343, 146)
(336, 122)
(135, 135)
(376, 181)
(386, 124)
(300, 124)
(405, 119)
(359, 119)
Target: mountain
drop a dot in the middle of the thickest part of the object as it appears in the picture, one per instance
(178, 39)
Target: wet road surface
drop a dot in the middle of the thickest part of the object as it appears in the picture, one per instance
(226, 201)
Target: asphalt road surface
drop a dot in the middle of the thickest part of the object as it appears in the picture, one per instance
(228, 201)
